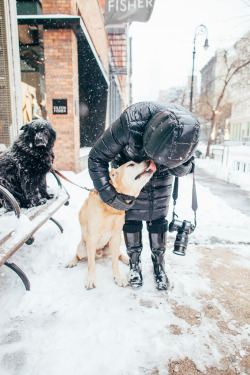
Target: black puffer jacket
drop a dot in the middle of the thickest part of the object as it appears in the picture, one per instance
(166, 134)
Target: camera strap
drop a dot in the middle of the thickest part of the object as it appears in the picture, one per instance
(194, 197)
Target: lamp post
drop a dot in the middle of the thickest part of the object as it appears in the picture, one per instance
(200, 30)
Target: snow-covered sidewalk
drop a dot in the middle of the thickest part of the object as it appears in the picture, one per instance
(199, 326)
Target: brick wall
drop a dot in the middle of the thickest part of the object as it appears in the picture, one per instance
(91, 13)
(59, 7)
(61, 78)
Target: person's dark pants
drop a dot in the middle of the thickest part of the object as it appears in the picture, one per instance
(154, 226)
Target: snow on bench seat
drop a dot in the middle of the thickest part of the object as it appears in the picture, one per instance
(14, 232)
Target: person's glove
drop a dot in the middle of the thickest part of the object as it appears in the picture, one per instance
(189, 160)
(183, 169)
(119, 202)
(189, 163)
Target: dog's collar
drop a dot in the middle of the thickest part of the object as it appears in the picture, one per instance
(124, 197)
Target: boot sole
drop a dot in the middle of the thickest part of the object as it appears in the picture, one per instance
(162, 287)
(135, 286)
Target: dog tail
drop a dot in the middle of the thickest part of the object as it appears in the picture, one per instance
(124, 258)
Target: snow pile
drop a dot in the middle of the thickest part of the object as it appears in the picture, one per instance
(225, 169)
(61, 328)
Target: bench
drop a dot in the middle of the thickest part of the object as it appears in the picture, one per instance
(11, 238)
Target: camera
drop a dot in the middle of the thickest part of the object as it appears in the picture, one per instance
(184, 228)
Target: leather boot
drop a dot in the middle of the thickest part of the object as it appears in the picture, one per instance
(133, 243)
(157, 245)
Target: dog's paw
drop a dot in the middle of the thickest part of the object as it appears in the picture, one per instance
(121, 281)
(72, 263)
(41, 201)
(30, 204)
(90, 283)
(48, 196)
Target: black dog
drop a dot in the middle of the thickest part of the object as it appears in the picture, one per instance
(23, 167)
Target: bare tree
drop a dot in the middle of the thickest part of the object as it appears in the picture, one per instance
(207, 107)
(181, 97)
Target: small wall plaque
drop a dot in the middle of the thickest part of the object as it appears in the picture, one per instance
(60, 107)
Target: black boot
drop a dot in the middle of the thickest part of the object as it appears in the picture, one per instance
(134, 247)
(157, 244)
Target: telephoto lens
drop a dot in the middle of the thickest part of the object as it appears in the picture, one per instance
(181, 242)
(184, 228)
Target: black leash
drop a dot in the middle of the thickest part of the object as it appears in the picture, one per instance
(194, 198)
(73, 183)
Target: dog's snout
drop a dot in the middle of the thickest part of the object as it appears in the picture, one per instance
(41, 140)
(39, 137)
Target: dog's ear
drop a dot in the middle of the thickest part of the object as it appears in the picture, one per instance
(53, 133)
(113, 174)
(24, 127)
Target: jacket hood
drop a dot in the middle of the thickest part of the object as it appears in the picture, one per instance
(171, 136)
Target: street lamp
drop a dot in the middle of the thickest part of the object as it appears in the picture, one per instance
(200, 30)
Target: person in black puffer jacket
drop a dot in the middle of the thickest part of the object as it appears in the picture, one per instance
(167, 134)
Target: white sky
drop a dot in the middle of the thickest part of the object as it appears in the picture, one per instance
(162, 47)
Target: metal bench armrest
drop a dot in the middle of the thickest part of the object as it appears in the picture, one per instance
(11, 200)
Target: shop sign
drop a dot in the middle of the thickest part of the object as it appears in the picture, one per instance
(60, 107)
(122, 11)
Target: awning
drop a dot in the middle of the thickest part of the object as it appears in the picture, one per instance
(63, 21)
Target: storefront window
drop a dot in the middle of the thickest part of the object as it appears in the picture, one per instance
(32, 72)
(29, 7)
(5, 104)
(32, 63)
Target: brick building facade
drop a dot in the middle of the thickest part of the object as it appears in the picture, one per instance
(61, 66)
(66, 62)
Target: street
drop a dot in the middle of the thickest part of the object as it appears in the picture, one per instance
(232, 194)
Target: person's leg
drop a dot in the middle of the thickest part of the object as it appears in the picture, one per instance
(133, 239)
(157, 238)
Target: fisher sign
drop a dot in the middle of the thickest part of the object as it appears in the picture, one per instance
(122, 11)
